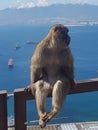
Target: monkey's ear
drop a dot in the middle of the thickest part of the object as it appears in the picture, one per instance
(68, 40)
(67, 30)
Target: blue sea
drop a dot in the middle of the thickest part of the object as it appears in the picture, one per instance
(84, 46)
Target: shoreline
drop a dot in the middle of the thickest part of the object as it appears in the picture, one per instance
(49, 24)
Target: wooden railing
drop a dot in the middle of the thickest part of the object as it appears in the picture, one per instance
(3, 110)
(20, 98)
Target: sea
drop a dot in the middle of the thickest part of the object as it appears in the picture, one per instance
(84, 47)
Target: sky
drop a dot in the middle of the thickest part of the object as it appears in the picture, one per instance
(32, 3)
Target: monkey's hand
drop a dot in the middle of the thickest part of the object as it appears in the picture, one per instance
(28, 89)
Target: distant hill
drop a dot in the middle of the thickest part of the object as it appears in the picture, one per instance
(49, 14)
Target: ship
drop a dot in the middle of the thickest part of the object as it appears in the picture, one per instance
(10, 63)
(31, 42)
(17, 47)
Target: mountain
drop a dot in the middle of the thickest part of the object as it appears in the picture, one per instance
(69, 13)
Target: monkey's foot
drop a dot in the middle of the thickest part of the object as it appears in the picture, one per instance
(49, 116)
(43, 115)
(42, 123)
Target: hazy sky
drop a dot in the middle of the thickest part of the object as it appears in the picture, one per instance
(31, 3)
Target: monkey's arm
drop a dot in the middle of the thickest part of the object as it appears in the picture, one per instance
(35, 74)
(68, 68)
(69, 73)
(37, 65)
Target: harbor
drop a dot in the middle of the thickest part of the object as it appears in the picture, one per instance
(66, 126)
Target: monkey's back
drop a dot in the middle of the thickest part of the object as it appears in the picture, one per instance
(52, 57)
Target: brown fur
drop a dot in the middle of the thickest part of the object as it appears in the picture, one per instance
(52, 70)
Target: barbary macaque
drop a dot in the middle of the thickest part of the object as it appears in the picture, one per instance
(52, 71)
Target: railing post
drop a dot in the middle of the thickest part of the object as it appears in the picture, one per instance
(3, 110)
(20, 109)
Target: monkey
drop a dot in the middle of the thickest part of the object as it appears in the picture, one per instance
(52, 72)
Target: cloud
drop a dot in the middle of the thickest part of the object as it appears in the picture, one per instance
(81, 2)
(42, 3)
(24, 4)
(32, 3)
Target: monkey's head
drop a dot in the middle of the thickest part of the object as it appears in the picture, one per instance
(60, 33)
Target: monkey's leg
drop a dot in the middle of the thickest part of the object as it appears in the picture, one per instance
(42, 90)
(60, 91)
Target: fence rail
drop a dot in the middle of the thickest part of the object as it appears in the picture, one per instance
(3, 110)
(20, 98)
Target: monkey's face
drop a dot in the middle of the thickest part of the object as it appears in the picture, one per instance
(60, 32)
